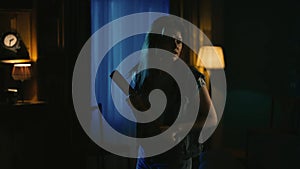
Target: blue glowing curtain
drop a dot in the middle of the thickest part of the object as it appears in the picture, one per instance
(103, 12)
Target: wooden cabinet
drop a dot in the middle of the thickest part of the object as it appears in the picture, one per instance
(22, 134)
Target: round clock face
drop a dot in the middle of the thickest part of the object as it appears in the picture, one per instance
(10, 40)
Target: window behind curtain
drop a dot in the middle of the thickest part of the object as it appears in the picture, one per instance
(103, 12)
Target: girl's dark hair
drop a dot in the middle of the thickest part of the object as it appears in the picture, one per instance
(156, 37)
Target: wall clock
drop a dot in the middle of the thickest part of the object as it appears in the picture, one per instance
(12, 47)
(10, 41)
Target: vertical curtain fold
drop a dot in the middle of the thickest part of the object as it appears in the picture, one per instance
(103, 12)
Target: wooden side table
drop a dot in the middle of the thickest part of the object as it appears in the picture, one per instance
(22, 135)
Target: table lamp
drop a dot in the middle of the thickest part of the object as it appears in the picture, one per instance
(211, 57)
(14, 52)
(21, 72)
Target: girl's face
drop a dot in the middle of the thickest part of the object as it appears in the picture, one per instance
(173, 44)
(177, 43)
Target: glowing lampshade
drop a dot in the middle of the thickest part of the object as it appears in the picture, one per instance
(21, 71)
(211, 57)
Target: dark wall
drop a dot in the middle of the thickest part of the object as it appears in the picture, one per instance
(262, 54)
(262, 44)
(62, 27)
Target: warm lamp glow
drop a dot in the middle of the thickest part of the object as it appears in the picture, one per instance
(211, 57)
(14, 61)
(21, 71)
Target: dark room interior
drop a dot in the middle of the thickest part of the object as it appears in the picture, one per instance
(260, 126)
